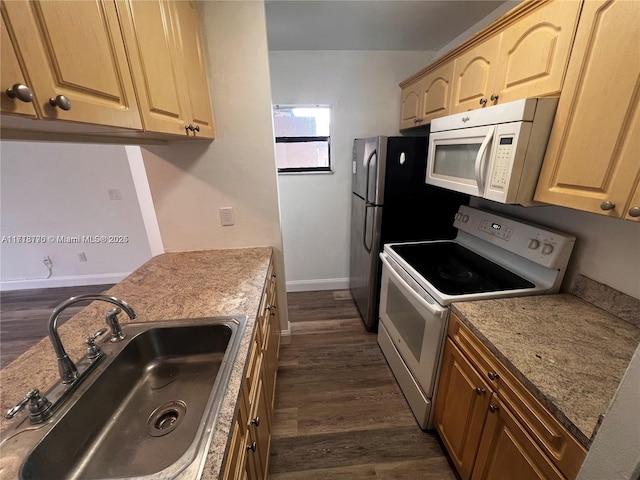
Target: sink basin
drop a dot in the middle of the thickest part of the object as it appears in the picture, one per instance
(148, 410)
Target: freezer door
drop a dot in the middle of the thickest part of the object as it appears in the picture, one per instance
(364, 263)
(369, 157)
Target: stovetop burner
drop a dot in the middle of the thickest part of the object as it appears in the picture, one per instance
(455, 270)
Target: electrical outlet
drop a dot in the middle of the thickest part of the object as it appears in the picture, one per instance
(226, 216)
(82, 256)
(115, 194)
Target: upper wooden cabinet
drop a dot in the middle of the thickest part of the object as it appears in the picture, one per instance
(77, 68)
(196, 87)
(592, 160)
(526, 59)
(17, 97)
(523, 54)
(474, 76)
(134, 65)
(410, 105)
(427, 98)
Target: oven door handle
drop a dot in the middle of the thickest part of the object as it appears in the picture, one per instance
(435, 309)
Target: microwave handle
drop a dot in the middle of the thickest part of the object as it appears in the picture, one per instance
(480, 159)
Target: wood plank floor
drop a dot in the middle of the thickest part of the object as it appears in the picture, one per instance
(339, 412)
(24, 315)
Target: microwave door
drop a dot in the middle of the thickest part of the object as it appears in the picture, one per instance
(457, 159)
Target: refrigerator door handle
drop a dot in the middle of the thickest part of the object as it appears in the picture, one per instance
(367, 206)
(367, 165)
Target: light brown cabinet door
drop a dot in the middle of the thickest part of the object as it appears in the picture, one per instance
(149, 39)
(592, 162)
(75, 49)
(507, 452)
(11, 74)
(534, 52)
(436, 93)
(186, 24)
(474, 76)
(460, 408)
(410, 105)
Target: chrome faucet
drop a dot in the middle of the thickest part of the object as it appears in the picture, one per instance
(68, 370)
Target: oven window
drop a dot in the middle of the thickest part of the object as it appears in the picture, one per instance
(456, 161)
(407, 320)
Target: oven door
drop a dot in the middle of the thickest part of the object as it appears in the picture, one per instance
(415, 322)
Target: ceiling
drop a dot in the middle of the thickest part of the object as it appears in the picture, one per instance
(423, 25)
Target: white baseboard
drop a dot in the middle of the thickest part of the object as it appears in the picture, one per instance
(67, 281)
(319, 284)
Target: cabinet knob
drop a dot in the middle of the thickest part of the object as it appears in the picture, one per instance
(634, 212)
(61, 102)
(483, 101)
(21, 92)
(195, 128)
(494, 97)
(480, 391)
(607, 205)
(493, 408)
(493, 375)
(252, 447)
(256, 421)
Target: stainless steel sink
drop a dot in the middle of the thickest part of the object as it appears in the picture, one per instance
(147, 411)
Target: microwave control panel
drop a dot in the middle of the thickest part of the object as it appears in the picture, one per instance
(501, 163)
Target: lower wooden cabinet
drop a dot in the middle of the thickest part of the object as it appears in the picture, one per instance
(491, 425)
(248, 453)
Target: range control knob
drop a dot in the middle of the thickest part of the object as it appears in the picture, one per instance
(547, 248)
(534, 244)
(464, 219)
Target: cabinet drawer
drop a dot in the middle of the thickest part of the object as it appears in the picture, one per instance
(551, 436)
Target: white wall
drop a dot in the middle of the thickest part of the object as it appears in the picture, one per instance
(362, 87)
(190, 181)
(54, 189)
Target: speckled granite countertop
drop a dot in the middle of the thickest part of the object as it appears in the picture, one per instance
(569, 353)
(169, 286)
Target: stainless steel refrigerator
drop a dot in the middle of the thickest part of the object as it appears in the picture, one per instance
(390, 202)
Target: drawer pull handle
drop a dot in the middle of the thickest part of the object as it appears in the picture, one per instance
(256, 422)
(480, 391)
(252, 446)
(493, 375)
(493, 408)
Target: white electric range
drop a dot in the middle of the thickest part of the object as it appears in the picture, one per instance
(492, 256)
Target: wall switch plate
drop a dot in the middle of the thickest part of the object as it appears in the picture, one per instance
(226, 216)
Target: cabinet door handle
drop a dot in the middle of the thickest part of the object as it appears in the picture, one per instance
(195, 128)
(634, 212)
(252, 446)
(21, 92)
(480, 391)
(256, 422)
(493, 375)
(483, 101)
(494, 97)
(493, 408)
(61, 102)
(607, 205)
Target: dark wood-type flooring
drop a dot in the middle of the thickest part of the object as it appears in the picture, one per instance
(339, 412)
(24, 315)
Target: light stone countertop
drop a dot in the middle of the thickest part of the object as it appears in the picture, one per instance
(170, 286)
(569, 353)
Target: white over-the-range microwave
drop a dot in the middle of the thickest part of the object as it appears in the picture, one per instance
(494, 152)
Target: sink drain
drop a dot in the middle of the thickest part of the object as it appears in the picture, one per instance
(166, 418)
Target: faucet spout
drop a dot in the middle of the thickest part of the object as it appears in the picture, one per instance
(68, 370)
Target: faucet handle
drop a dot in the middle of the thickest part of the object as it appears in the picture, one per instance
(39, 407)
(93, 351)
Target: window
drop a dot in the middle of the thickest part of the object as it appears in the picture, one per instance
(302, 138)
